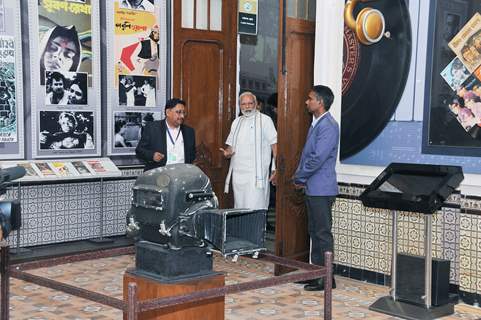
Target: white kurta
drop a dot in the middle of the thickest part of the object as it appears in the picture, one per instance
(243, 162)
(131, 97)
(149, 94)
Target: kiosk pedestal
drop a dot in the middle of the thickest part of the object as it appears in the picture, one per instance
(151, 289)
(391, 305)
(415, 188)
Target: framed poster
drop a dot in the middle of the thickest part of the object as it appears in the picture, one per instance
(11, 81)
(452, 111)
(136, 70)
(65, 82)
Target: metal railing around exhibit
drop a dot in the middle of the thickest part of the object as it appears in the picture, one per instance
(132, 307)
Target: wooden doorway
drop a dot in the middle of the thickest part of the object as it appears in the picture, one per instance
(296, 64)
(204, 75)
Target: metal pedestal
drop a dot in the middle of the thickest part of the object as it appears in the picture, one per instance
(390, 305)
(410, 311)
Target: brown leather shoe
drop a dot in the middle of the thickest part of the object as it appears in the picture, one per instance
(318, 285)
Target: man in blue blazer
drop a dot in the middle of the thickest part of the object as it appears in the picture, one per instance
(316, 174)
(167, 141)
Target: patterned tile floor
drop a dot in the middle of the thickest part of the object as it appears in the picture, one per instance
(350, 300)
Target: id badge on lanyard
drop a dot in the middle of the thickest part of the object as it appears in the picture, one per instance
(172, 155)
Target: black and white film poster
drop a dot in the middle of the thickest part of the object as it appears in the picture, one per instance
(8, 111)
(128, 127)
(141, 5)
(65, 88)
(137, 91)
(65, 29)
(66, 130)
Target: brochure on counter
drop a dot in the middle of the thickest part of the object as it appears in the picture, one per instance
(64, 169)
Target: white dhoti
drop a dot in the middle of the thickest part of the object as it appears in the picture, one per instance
(251, 139)
(245, 194)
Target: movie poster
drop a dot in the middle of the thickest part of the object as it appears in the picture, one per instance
(143, 5)
(81, 168)
(29, 169)
(66, 130)
(136, 34)
(65, 28)
(128, 127)
(96, 166)
(63, 169)
(65, 88)
(8, 110)
(465, 106)
(137, 91)
(45, 169)
(467, 43)
(455, 73)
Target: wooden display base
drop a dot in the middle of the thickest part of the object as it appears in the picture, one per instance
(149, 289)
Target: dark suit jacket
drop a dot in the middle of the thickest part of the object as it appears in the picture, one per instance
(154, 140)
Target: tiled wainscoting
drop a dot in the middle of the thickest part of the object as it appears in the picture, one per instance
(363, 239)
(72, 210)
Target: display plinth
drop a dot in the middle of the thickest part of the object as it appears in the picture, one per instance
(410, 311)
(150, 289)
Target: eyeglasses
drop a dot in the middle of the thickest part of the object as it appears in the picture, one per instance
(180, 112)
(247, 104)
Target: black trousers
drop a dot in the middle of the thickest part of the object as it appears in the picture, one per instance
(319, 214)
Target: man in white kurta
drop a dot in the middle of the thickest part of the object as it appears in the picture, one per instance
(251, 143)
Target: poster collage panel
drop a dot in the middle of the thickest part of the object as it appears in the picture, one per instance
(11, 101)
(135, 72)
(463, 76)
(66, 115)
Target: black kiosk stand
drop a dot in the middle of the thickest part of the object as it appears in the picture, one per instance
(415, 188)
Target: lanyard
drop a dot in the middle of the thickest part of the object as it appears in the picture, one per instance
(170, 137)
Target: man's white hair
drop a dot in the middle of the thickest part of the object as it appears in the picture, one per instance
(248, 93)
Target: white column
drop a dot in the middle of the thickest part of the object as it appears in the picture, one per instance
(328, 49)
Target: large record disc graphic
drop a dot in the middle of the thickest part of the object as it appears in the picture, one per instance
(374, 77)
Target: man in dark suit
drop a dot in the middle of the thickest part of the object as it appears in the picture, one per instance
(167, 141)
(316, 174)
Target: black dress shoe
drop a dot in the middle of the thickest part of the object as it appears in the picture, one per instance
(318, 285)
(305, 281)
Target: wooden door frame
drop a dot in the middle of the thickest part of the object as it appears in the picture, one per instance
(289, 26)
(208, 156)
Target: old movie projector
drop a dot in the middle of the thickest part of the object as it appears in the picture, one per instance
(176, 220)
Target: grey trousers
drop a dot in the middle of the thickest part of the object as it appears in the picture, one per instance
(319, 214)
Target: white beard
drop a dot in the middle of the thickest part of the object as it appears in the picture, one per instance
(248, 113)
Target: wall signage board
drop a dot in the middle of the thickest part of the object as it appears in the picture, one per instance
(11, 81)
(248, 13)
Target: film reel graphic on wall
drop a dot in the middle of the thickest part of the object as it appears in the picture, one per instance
(377, 54)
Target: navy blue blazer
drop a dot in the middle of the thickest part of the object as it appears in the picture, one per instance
(317, 167)
(154, 140)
